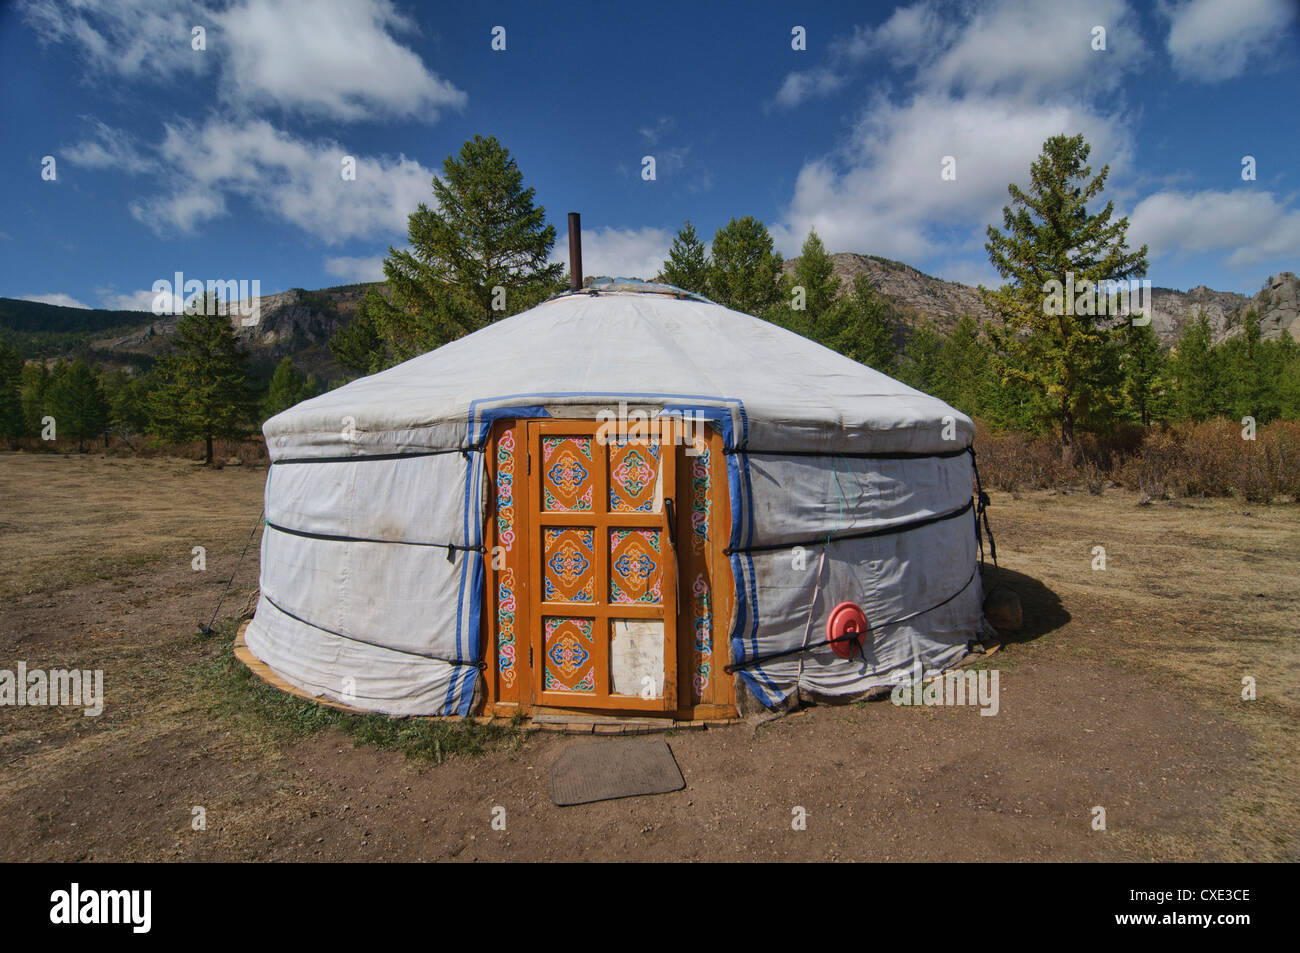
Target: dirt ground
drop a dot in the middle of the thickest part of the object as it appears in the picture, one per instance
(1124, 692)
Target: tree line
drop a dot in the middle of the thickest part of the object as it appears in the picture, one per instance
(484, 254)
(199, 389)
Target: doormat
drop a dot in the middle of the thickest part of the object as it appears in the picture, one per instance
(618, 767)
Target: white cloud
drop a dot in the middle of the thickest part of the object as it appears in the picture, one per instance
(356, 269)
(655, 131)
(65, 301)
(884, 194)
(1211, 40)
(334, 59)
(123, 37)
(800, 87)
(910, 35)
(1022, 48)
(620, 252)
(134, 301)
(347, 66)
(109, 148)
(1255, 226)
(1029, 48)
(294, 180)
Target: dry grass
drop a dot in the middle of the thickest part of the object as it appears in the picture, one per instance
(71, 518)
(1202, 595)
(1194, 597)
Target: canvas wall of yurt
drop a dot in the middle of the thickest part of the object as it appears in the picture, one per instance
(626, 501)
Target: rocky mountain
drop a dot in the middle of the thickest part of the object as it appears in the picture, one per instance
(917, 295)
(300, 323)
(295, 323)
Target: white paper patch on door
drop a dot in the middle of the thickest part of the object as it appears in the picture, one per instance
(636, 657)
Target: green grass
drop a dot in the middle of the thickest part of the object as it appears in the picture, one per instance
(241, 698)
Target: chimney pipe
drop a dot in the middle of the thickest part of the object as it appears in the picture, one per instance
(575, 251)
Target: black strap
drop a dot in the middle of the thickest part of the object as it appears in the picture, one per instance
(982, 513)
(363, 458)
(353, 638)
(851, 637)
(894, 455)
(863, 534)
(450, 547)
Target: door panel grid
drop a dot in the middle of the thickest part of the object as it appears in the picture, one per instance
(604, 628)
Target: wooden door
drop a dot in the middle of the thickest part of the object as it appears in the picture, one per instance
(602, 566)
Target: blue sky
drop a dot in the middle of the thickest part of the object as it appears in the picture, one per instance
(224, 163)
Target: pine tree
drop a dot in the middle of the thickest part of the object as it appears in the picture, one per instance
(962, 372)
(866, 326)
(814, 272)
(77, 403)
(1246, 367)
(1287, 374)
(746, 272)
(1143, 366)
(202, 388)
(1064, 358)
(358, 345)
(11, 402)
(485, 234)
(919, 366)
(35, 385)
(127, 396)
(288, 387)
(687, 266)
(1195, 372)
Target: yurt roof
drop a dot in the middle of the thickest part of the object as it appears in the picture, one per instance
(652, 345)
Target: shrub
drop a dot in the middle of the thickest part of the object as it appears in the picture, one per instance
(1202, 459)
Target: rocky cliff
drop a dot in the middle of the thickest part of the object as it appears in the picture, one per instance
(300, 323)
(918, 295)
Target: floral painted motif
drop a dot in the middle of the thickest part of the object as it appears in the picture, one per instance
(567, 483)
(568, 655)
(506, 627)
(505, 490)
(633, 472)
(700, 471)
(703, 649)
(636, 570)
(505, 539)
(568, 566)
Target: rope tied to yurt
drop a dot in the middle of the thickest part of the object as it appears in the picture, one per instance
(207, 629)
(982, 514)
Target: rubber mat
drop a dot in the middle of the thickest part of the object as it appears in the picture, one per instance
(613, 768)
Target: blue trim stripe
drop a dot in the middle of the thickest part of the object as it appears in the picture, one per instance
(722, 410)
(449, 705)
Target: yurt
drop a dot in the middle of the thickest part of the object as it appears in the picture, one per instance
(626, 501)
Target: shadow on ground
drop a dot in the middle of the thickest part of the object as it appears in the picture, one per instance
(1042, 607)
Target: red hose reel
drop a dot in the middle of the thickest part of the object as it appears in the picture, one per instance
(845, 628)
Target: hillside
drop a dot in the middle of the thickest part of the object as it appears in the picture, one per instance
(294, 323)
(300, 323)
(918, 295)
